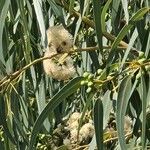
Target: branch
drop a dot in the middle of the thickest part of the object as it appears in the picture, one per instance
(9, 78)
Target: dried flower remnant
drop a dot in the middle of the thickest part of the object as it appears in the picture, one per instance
(86, 132)
(61, 66)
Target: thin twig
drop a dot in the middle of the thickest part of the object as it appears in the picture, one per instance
(116, 138)
(11, 77)
(82, 146)
(96, 48)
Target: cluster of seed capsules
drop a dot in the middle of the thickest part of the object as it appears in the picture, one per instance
(137, 67)
(90, 78)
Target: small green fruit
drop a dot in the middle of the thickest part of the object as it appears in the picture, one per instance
(85, 74)
(109, 77)
(141, 54)
(90, 76)
(90, 83)
(89, 89)
(99, 71)
(82, 83)
(147, 67)
(142, 60)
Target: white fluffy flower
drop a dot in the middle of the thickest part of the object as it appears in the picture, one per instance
(59, 42)
(127, 124)
(86, 132)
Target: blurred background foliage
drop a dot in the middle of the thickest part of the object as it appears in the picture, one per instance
(112, 60)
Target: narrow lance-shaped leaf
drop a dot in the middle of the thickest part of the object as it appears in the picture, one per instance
(143, 96)
(67, 90)
(131, 43)
(104, 11)
(3, 121)
(114, 12)
(97, 17)
(98, 123)
(40, 18)
(125, 8)
(124, 94)
(71, 6)
(138, 16)
(57, 11)
(3, 15)
(85, 110)
(107, 105)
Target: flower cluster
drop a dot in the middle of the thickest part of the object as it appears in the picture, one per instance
(60, 42)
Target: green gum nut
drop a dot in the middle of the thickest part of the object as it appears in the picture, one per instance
(147, 67)
(99, 71)
(109, 77)
(89, 89)
(85, 74)
(90, 83)
(84, 82)
(142, 60)
(141, 54)
(90, 76)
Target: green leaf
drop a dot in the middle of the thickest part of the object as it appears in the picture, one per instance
(41, 103)
(20, 129)
(3, 121)
(124, 95)
(57, 10)
(71, 6)
(79, 22)
(104, 11)
(97, 17)
(3, 15)
(148, 125)
(107, 107)
(131, 43)
(121, 35)
(107, 103)
(146, 44)
(67, 90)
(26, 31)
(125, 30)
(94, 58)
(39, 15)
(138, 15)
(98, 123)
(125, 8)
(115, 13)
(143, 96)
